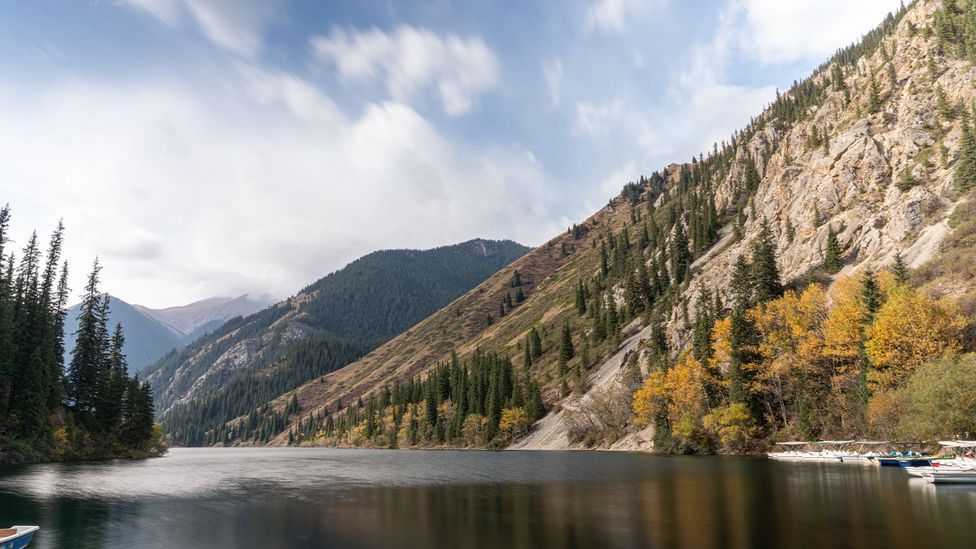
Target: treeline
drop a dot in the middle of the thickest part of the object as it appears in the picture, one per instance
(379, 295)
(343, 316)
(204, 420)
(96, 410)
(480, 401)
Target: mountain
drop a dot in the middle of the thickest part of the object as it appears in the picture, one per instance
(151, 333)
(236, 369)
(197, 318)
(866, 166)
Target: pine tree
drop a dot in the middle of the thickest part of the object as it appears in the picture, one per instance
(536, 343)
(751, 175)
(874, 96)
(741, 286)
(832, 262)
(88, 354)
(765, 274)
(946, 111)
(566, 350)
(113, 380)
(704, 322)
(900, 270)
(580, 299)
(680, 253)
(964, 177)
(516, 279)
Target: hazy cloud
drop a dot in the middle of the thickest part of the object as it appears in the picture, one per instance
(410, 61)
(234, 25)
(611, 16)
(259, 185)
(552, 71)
(774, 31)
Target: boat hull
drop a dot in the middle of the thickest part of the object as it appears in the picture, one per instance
(953, 477)
(19, 540)
(902, 461)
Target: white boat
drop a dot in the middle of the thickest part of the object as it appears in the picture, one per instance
(958, 469)
(823, 455)
(951, 476)
(17, 537)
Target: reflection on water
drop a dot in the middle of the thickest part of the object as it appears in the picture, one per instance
(354, 498)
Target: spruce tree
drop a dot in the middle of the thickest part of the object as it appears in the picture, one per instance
(765, 274)
(870, 295)
(536, 343)
(704, 322)
(741, 286)
(680, 253)
(874, 96)
(832, 262)
(900, 270)
(88, 354)
(964, 177)
(566, 350)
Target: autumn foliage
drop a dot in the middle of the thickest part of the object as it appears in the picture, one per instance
(821, 366)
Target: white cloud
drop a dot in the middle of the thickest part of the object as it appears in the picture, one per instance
(258, 185)
(234, 25)
(611, 16)
(621, 123)
(552, 71)
(410, 61)
(777, 31)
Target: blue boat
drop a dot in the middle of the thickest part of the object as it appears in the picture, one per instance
(906, 459)
(17, 537)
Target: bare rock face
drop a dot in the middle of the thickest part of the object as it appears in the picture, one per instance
(849, 183)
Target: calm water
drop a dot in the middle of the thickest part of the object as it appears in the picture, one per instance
(286, 498)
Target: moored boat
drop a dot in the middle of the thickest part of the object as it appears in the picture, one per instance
(17, 537)
(953, 475)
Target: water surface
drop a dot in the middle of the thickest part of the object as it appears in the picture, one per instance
(305, 498)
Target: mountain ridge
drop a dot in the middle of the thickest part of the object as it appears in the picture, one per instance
(826, 160)
(324, 326)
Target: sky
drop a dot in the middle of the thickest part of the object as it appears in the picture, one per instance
(207, 148)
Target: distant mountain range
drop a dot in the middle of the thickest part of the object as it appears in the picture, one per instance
(238, 368)
(151, 333)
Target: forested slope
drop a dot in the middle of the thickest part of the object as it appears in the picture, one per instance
(865, 166)
(235, 370)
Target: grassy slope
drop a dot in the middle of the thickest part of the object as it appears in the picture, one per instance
(549, 282)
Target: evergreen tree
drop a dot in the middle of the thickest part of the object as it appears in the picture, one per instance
(900, 270)
(580, 299)
(536, 343)
(680, 254)
(874, 96)
(832, 262)
(704, 322)
(766, 283)
(566, 350)
(964, 177)
(88, 353)
(741, 286)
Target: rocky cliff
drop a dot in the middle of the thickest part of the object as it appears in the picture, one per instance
(866, 148)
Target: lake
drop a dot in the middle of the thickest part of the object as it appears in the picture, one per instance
(304, 498)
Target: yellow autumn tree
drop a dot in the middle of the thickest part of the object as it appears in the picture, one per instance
(790, 377)
(909, 329)
(651, 399)
(514, 422)
(721, 359)
(680, 395)
(844, 327)
(687, 402)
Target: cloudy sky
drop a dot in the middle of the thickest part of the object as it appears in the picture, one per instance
(217, 147)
